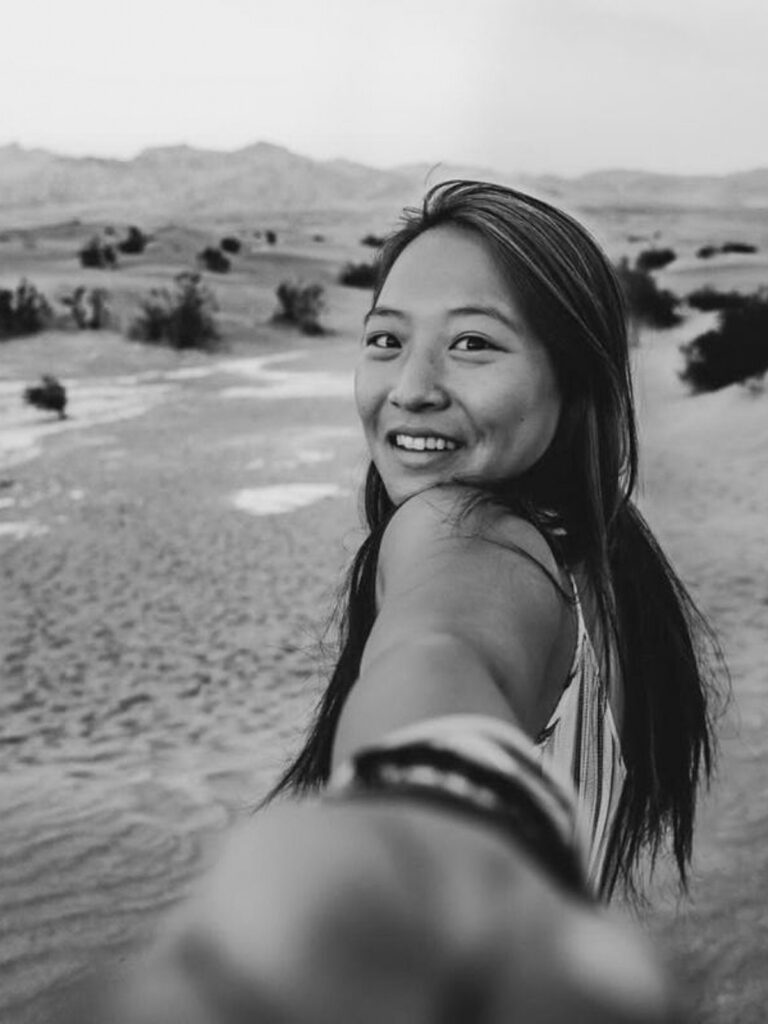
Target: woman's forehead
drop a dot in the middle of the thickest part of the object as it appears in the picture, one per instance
(445, 265)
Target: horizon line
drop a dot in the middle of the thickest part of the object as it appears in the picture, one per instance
(481, 165)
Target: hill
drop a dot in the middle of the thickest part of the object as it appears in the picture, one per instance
(175, 181)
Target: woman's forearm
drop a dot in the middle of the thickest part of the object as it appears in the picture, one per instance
(415, 678)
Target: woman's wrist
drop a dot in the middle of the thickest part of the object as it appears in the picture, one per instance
(484, 770)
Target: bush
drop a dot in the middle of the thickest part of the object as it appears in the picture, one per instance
(98, 255)
(358, 275)
(737, 247)
(374, 241)
(213, 259)
(655, 259)
(647, 303)
(300, 305)
(135, 243)
(707, 299)
(23, 311)
(231, 244)
(182, 318)
(271, 237)
(50, 394)
(89, 308)
(706, 251)
(735, 351)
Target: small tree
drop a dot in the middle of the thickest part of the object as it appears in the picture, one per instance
(358, 275)
(647, 303)
(182, 319)
(23, 310)
(707, 252)
(655, 259)
(300, 305)
(736, 350)
(270, 237)
(213, 259)
(374, 241)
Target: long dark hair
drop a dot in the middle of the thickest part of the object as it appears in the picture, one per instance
(579, 495)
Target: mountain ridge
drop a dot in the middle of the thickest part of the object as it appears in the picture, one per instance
(182, 180)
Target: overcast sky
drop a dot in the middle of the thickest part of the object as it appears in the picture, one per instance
(563, 86)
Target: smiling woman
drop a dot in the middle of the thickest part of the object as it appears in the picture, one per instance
(518, 713)
(494, 389)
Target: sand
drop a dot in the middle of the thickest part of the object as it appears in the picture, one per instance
(706, 494)
(168, 561)
(160, 637)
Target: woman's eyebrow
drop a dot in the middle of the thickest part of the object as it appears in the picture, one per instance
(384, 311)
(491, 311)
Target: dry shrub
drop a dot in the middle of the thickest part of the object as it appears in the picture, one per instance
(358, 275)
(300, 305)
(181, 319)
(735, 351)
(135, 242)
(708, 299)
(98, 255)
(655, 259)
(23, 311)
(213, 259)
(88, 307)
(647, 303)
(230, 244)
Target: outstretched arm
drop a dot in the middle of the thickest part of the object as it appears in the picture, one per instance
(470, 619)
(363, 908)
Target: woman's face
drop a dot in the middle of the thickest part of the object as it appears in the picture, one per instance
(451, 384)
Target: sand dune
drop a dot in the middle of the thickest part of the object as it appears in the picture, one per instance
(161, 645)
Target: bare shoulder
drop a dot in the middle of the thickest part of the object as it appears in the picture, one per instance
(453, 565)
(457, 518)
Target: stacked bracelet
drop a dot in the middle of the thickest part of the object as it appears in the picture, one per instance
(480, 766)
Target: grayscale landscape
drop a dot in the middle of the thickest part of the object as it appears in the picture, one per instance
(170, 550)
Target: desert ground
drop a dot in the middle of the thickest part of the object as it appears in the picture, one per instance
(170, 554)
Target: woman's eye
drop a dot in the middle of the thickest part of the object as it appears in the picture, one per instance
(473, 343)
(382, 341)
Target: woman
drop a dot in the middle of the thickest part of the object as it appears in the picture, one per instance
(518, 712)
(498, 325)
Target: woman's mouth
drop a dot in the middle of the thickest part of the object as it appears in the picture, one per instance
(426, 443)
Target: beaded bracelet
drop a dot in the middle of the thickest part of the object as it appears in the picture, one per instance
(484, 767)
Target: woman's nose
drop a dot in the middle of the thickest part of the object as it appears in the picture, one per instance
(419, 385)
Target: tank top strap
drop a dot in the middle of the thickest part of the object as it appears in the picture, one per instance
(581, 624)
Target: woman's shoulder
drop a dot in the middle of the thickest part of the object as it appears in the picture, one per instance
(456, 564)
(465, 517)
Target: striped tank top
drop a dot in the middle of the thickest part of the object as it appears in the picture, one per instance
(581, 739)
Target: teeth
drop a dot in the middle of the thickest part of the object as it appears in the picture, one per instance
(421, 444)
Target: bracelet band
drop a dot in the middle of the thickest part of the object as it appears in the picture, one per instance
(483, 767)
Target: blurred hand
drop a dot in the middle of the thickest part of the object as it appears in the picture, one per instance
(386, 913)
